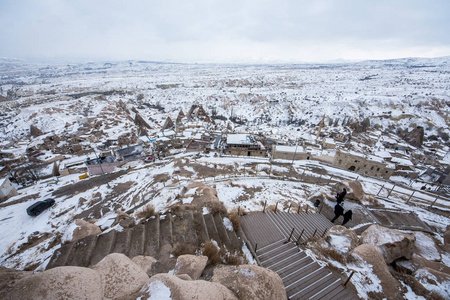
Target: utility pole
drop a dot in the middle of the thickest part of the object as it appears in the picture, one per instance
(101, 168)
(293, 157)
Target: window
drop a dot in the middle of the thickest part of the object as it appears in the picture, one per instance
(364, 166)
(378, 169)
(371, 168)
(356, 161)
(340, 161)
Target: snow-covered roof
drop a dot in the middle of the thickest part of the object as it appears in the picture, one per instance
(383, 154)
(402, 161)
(239, 139)
(375, 158)
(287, 148)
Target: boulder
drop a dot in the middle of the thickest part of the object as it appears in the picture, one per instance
(191, 265)
(426, 247)
(124, 220)
(205, 196)
(168, 286)
(57, 283)
(392, 244)
(447, 239)
(409, 266)
(434, 281)
(81, 230)
(144, 262)
(341, 240)
(250, 282)
(9, 276)
(120, 275)
(370, 255)
(356, 191)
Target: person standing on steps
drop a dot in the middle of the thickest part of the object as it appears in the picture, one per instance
(338, 211)
(340, 196)
(347, 216)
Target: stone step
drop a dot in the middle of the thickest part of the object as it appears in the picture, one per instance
(122, 242)
(60, 256)
(191, 234)
(211, 226)
(179, 229)
(103, 247)
(200, 228)
(137, 241)
(165, 232)
(222, 231)
(82, 250)
(152, 237)
(236, 243)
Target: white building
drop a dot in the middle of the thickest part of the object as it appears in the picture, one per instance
(7, 189)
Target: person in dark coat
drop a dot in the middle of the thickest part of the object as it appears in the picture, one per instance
(340, 196)
(347, 216)
(338, 211)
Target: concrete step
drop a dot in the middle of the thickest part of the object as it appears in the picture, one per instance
(223, 235)
(103, 247)
(211, 226)
(200, 228)
(60, 256)
(122, 242)
(82, 250)
(165, 232)
(179, 229)
(151, 245)
(191, 234)
(236, 243)
(137, 241)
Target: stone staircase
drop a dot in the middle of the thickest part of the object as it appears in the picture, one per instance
(302, 277)
(156, 238)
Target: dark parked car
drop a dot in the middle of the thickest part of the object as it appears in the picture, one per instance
(39, 207)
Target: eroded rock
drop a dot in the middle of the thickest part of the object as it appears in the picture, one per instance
(144, 262)
(426, 247)
(392, 244)
(57, 283)
(81, 230)
(191, 265)
(168, 286)
(370, 255)
(120, 275)
(250, 282)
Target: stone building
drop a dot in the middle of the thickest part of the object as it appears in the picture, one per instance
(244, 145)
(365, 164)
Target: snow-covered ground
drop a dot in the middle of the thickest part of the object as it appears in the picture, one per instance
(99, 101)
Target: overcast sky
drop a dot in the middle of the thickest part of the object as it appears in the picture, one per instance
(224, 31)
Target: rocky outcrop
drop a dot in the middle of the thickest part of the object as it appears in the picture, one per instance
(426, 247)
(392, 244)
(409, 266)
(34, 131)
(57, 283)
(434, 281)
(191, 265)
(370, 255)
(447, 239)
(120, 276)
(144, 262)
(415, 137)
(250, 282)
(82, 230)
(168, 286)
(206, 196)
(341, 240)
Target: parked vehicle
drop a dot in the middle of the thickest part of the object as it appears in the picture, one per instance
(39, 207)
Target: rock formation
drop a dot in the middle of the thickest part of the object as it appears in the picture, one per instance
(392, 244)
